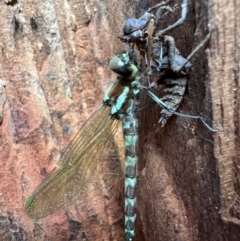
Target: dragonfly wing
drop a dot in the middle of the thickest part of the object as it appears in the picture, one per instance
(75, 169)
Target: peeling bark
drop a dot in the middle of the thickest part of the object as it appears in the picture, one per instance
(54, 70)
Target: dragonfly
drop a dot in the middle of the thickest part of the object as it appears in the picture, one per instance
(76, 167)
(67, 182)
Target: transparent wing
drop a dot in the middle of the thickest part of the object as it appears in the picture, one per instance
(68, 179)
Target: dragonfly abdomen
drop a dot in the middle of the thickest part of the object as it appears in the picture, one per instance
(130, 125)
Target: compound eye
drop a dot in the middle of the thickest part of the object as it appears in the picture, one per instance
(130, 26)
(121, 65)
(116, 62)
(119, 61)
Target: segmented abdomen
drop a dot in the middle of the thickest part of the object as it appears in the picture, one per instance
(130, 141)
(172, 97)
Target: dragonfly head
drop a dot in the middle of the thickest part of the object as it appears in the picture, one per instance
(123, 66)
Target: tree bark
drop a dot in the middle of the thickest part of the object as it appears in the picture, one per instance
(53, 73)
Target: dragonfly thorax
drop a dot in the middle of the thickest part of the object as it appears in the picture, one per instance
(120, 95)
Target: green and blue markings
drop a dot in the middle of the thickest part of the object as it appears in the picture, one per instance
(67, 181)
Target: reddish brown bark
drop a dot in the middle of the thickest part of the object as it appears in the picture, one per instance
(54, 70)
